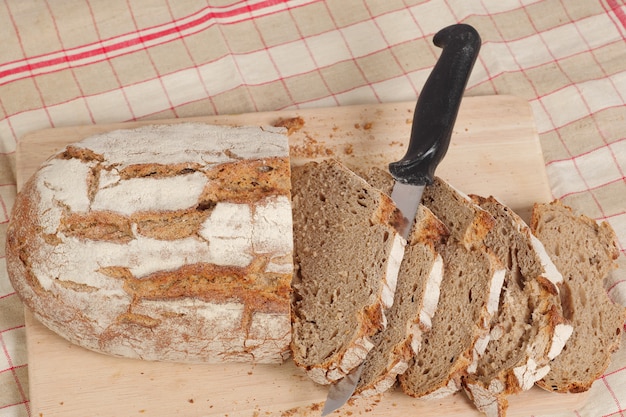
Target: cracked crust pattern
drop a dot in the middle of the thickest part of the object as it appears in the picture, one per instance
(162, 243)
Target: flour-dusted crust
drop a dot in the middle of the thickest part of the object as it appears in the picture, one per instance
(166, 242)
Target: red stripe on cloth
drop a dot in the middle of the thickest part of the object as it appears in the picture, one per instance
(195, 64)
(25, 403)
(140, 37)
(588, 152)
(352, 56)
(615, 371)
(9, 294)
(111, 66)
(589, 189)
(21, 47)
(12, 369)
(317, 66)
(615, 285)
(610, 390)
(619, 12)
(585, 103)
(154, 67)
(10, 329)
(80, 88)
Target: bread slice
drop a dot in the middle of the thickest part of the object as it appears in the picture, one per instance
(415, 302)
(416, 299)
(470, 291)
(584, 251)
(529, 328)
(347, 257)
(468, 223)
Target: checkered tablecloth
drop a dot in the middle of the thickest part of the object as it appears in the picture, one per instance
(76, 62)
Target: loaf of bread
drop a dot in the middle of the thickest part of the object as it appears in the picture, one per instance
(347, 257)
(529, 329)
(584, 251)
(177, 243)
(170, 242)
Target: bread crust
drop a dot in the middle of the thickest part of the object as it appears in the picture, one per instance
(564, 232)
(142, 273)
(468, 224)
(530, 309)
(414, 305)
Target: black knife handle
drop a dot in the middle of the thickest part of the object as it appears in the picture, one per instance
(438, 105)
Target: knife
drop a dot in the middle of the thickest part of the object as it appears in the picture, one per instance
(433, 121)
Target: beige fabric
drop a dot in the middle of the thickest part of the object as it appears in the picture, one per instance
(79, 62)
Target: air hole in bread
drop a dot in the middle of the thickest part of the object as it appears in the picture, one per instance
(567, 302)
(582, 297)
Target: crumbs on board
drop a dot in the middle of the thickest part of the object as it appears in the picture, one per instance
(293, 124)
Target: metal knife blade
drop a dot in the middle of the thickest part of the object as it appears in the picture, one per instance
(407, 198)
(433, 121)
(340, 392)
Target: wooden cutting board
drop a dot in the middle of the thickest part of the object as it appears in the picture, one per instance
(494, 150)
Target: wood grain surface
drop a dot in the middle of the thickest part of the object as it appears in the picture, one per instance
(495, 150)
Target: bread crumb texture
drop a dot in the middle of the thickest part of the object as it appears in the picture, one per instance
(347, 256)
(529, 320)
(469, 292)
(166, 242)
(584, 251)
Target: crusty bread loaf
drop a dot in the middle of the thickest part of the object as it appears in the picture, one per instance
(529, 328)
(415, 302)
(470, 291)
(584, 252)
(170, 242)
(347, 256)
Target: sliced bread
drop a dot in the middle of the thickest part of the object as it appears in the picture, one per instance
(469, 296)
(415, 302)
(467, 222)
(416, 299)
(347, 257)
(584, 251)
(529, 328)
